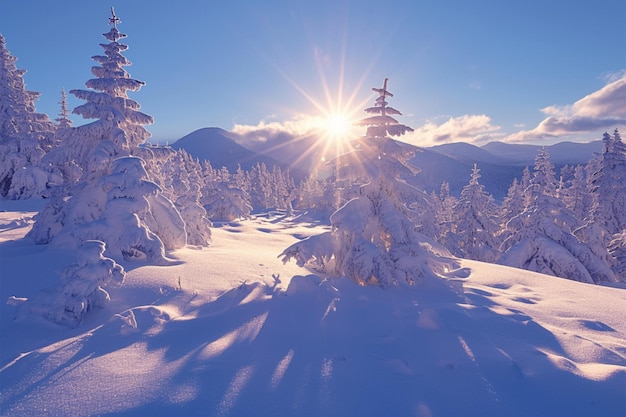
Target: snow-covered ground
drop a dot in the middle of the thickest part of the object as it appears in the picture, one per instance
(230, 331)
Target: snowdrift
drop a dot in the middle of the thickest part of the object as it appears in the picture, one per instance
(231, 331)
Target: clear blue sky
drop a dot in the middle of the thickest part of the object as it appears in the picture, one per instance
(460, 70)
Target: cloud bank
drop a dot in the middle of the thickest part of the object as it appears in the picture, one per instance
(467, 128)
(604, 109)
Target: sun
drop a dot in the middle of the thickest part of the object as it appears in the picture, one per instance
(338, 126)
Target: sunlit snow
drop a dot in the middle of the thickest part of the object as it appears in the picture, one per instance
(229, 330)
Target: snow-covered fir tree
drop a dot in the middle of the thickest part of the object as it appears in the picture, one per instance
(607, 220)
(444, 208)
(617, 251)
(63, 121)
(372, 240)
(119, 126)
(182, 177)
(544, 176)
(514, 201)
(577, 196)
(608, 185)
(124, 209)
(25, 135)
(473, 235)
(541, 238)
(115, 188)
(82, 287)
(224, 195)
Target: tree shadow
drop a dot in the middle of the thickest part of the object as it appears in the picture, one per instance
(329, 347)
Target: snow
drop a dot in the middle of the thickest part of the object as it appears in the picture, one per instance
(230, 330)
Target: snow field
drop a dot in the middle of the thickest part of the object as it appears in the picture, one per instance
(230, 340)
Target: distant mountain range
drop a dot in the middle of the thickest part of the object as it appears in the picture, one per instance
(499, 162)
(220, 147)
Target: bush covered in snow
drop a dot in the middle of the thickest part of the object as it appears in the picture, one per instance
(81, 287)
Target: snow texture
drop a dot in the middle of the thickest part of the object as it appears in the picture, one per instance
(230, 330)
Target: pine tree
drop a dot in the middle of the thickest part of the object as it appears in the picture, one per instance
(81, 288)
(25, 135)
(182, 177)
(541, 237)
(224, 195)
(475, 225)
(608, 186)
(607, 221)
(63, 120)
(372, 240)
(577, 196)
(544, 176)
(108, 150)
(444, 209)
(118, 130)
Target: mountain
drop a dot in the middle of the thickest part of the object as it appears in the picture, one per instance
(437, 168)
(302, 152)
(221, 148)
(469, 153)
(499, 162)
(570, 153)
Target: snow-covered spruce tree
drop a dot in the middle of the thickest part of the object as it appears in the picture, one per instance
(372, 240)
(474, 230)
(25, 135)
(540, 237)
(318, 195)
(119, 126)
(444, 206)
(577, 196)
(617, 250)
(608, 186)
(63, 121)
(514, 202)
(227, 203)
(607, 220)
(224, 195)
(124, 209)
(182, 176)
(67, 171)
(103, 149)
(81, 287)
(544, 177)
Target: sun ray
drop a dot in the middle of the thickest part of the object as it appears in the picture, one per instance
(332, 128)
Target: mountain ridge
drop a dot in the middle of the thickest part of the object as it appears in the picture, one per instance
(499, 162)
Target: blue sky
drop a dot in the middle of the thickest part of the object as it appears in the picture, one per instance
(474, 71)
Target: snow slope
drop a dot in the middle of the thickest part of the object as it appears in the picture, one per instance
(230, 331)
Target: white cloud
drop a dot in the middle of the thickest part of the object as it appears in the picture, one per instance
(264, 131)
(601, 110)
(467, 128)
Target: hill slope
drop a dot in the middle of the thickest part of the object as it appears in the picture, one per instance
(562, 153)
(230, 331)
(221, 148)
